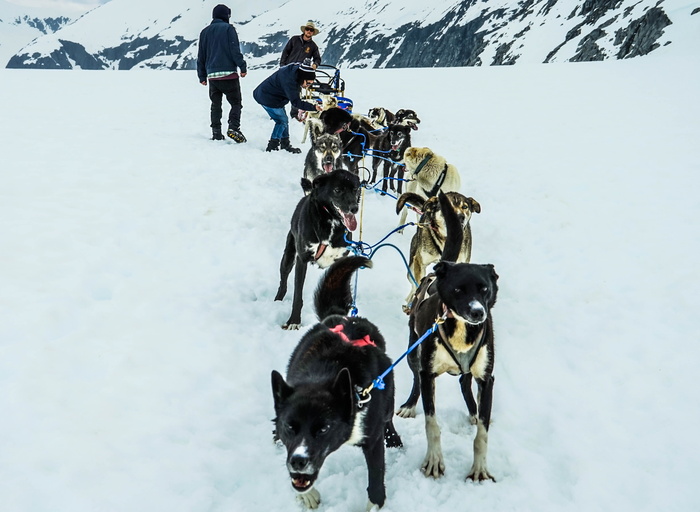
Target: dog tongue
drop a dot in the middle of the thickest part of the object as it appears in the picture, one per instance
(328, 167)
(350, 221)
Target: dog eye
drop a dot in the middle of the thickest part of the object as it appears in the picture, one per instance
(289, 428)
(484, 289)
(336, 190)
(324, 429)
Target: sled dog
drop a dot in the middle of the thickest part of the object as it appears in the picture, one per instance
(324, 153)
(407, 117)
(321, 405)
(428, 241)
(381, 117)
(317, 230)
(390, 151)
(461, 294)
(354, 134)
(428, 172)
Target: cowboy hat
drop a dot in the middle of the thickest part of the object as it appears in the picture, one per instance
(310, 24)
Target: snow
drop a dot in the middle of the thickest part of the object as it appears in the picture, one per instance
(140, 261)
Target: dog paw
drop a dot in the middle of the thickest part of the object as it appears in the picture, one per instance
(433, 465)
(372, 507)
(406, 412)
(480, 474)
(311, 498)
(291, 327)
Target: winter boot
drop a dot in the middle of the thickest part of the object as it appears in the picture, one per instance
(273, 145)
(216, 134)
(236, 135)
(287, 146)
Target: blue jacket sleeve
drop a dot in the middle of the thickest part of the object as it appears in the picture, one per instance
(236, 50)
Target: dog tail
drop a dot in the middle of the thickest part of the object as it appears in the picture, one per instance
(334, 295)
(455, 234)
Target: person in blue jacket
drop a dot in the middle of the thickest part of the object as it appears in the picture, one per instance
(218, 61)
(280, 88)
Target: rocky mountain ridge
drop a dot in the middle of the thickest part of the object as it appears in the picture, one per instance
(375, 33)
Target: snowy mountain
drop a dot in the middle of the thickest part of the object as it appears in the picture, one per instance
(162, 34)
(20, 25)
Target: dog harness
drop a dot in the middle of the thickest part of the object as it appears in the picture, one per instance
(441, 179)
(423, 293)
(362, 342)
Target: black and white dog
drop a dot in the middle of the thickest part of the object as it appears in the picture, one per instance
(317, 230)
(380, 116)
(322, 406)
(463, 294)
(324, 153)
(390, 149)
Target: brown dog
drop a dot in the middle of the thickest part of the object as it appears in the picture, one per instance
(428, 242)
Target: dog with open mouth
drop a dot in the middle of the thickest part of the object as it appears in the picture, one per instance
(407, 117)
(317, 232)
(324, 153)
(324, 402)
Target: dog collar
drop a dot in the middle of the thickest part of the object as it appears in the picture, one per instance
(319, 252)
(362, 342)
(422, 164)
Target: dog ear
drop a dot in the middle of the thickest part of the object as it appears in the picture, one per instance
(474, 205)
(493, 272)
(306, 185)
(315, 128)
(342, 392)
(280, 389)
(442, 268)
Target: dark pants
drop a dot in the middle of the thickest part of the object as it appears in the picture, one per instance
(231, 88)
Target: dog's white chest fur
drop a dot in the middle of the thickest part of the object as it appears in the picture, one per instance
(358, 428)
(329, 253)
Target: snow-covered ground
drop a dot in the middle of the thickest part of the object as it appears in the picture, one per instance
(140, 259)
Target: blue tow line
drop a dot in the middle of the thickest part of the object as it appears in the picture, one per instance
(379, 381)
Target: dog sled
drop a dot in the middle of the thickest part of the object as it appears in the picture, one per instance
(329, 83)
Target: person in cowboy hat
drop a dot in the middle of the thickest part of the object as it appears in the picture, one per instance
(298, 49)
(302, 47)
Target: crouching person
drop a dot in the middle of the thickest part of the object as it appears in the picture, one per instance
(280, 88)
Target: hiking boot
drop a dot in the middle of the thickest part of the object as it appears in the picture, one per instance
(287, 146)
(273, 145)
(236, 135)
(216, 134)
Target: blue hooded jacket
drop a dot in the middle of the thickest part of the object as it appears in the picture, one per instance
(219, 50)
(280, 88)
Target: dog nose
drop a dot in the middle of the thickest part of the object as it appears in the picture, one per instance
(476, 313)
(298, 462)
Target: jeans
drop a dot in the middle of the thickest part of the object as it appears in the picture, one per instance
(232, 90)
(279, 116)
